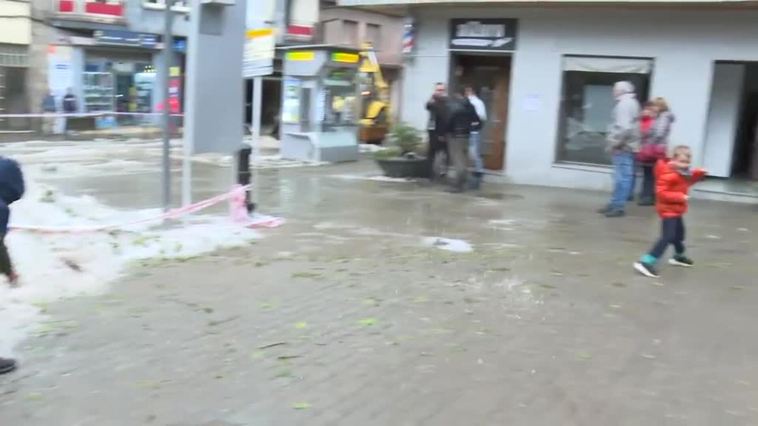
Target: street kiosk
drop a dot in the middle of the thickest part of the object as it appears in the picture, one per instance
(320, 104)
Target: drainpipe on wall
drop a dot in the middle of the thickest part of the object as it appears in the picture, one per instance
(287, 14)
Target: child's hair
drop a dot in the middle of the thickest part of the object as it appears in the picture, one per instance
(661, 103)
(681, 150)
(650, 104)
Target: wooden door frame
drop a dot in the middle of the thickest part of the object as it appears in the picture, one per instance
(453, 86)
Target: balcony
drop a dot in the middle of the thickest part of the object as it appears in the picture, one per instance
(99, 11)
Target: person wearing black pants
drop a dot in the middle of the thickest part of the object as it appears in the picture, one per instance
(647, 193)
(11, 190)
(437, 127)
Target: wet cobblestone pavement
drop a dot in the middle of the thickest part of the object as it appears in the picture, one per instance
(359, 312)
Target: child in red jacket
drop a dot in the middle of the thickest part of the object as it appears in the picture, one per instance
(673, 180)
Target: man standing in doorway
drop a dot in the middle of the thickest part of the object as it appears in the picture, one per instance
(623, 143)
(475, 140)
(437, 128)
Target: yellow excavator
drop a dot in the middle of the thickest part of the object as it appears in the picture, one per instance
(375, 99)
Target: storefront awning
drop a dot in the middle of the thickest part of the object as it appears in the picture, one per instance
(611, 65)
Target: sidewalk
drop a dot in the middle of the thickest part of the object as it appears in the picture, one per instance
(368, 308)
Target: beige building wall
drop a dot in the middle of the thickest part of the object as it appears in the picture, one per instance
(352, 27)
(15, 25)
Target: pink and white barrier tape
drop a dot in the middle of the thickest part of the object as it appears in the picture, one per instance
(233, 196)
(87, 114)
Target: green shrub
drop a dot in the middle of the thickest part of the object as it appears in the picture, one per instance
(405, 138)
(390, 152)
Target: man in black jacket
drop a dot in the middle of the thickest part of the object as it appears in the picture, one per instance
(11, 190)
(437, 127)
(462, 118)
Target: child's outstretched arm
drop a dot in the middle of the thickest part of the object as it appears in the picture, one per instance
(698, 175)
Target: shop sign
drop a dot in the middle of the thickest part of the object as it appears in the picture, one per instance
(345, 58)
(291, 102)
(180, 45)
(175, 90)
(301, 56)
(125, 38)
(483, 34)
(258, 57)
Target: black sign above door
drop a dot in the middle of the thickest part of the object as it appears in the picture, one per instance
(483, 34)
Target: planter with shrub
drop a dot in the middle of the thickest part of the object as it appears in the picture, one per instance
(400, 159)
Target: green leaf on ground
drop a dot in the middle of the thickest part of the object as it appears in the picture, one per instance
(301, 405)
(283, 373)
(584, 356)
(311, 275)
(34, 396)
(301, 325)
(266, 306)
(367, 322)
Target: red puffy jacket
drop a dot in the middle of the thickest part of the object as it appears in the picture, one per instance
(671, 189)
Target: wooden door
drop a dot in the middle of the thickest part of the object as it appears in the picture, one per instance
(490, 76)
(494, 135)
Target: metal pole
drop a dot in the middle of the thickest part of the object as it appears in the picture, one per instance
(186, 172)
(168, 42)
(256, 122)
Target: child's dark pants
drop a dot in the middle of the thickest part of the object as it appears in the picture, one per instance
(672, 232)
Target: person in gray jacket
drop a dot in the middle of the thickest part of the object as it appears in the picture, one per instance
(623, 142)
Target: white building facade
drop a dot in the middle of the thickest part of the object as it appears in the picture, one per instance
(549, 88)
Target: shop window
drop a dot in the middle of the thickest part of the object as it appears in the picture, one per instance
(374, 35)
(178, 5)
(338, 101)
(349, 33)
(587, 103)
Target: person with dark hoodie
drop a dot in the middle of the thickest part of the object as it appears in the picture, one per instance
(462, 119)
(11, 190)
(437, 127)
